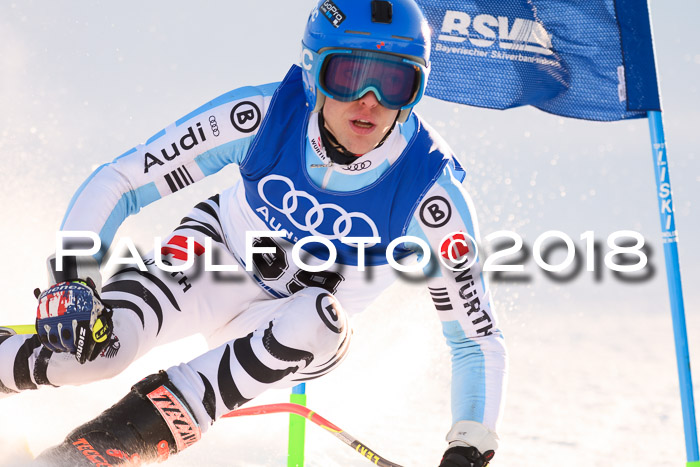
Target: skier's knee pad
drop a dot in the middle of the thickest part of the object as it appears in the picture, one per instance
(150, 423)
(315, 321)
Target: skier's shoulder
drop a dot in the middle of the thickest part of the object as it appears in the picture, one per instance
(419, 127)
(245, 106)
(429, 150)
(251, 100)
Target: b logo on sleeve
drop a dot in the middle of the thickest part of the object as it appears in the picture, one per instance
(435, 212)
(245, 117)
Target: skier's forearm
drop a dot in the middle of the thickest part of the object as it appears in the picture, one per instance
(461, 297)
(196, 146)
(478, 376)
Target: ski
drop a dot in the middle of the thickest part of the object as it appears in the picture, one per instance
(13, 329)
(312, 416)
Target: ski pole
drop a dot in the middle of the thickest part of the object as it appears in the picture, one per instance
(17, 329)
(312, 416)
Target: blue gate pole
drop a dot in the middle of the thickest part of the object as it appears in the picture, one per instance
(673, 277)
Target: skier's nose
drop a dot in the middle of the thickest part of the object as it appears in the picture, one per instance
(369, 99)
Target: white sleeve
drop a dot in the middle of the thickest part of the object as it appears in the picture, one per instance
(463, 304)
(199, 144)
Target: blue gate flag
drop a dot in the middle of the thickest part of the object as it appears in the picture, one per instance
(591, 59)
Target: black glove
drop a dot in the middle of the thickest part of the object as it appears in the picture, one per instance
(71, 318)
(465, 456)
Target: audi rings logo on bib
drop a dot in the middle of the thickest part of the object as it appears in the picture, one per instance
(245, 117)
(358, 166)
(304, 212)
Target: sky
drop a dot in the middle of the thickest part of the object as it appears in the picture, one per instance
(82, 82)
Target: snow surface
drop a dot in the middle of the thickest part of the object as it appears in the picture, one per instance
(592, 366)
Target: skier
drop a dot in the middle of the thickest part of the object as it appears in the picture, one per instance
(331, 153)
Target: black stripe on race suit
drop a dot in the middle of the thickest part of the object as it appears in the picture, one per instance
(441, 298)
(254, 367)
(4, 389)
(443, 307)
(282, 352)
(327, 366)
(41, 366)
(343, 345)
(205, 228)
(178, 179)
(206, 207)
(170, 182)
(137, 289)
(156, 281)
(209, 398)
(186, 174)
(23, 379)
(227, 387)
(125, 304)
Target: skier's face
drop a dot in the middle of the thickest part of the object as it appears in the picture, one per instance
(358, 125)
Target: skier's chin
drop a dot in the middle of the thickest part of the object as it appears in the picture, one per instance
(360, 139)
(360, 146)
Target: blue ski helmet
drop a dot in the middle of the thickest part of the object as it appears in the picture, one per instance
(376, 34)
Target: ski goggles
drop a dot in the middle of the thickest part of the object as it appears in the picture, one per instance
(347, 75)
